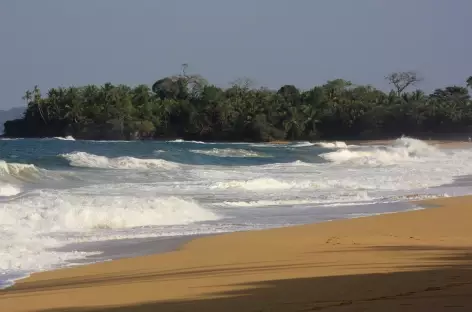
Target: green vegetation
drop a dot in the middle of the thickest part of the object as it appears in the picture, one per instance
(187, 107)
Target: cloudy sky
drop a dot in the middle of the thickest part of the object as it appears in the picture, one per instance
(273, 42)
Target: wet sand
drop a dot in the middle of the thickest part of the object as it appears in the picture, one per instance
(411, 261)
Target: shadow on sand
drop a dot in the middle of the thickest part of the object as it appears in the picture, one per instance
(443, 287)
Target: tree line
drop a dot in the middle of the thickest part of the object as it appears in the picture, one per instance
(187, 106)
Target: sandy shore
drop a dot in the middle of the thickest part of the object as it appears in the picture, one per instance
(412, 261)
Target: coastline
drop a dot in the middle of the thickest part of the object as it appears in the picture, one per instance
(448, 143)
(438, 143)
(412, 259)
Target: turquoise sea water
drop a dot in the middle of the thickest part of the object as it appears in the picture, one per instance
(56, 192)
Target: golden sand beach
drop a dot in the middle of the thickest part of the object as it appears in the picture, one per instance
(412, 261)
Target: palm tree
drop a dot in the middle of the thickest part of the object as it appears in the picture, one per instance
(293, 123)
(53, 109)
(28, 97)
(74, 107)
(38, 102)
(311, 118)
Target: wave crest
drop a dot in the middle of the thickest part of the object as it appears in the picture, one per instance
(86, 160)
(183, 141)
(47, 211)
(228, 152)
(34, 227)
(402, 150)
(16, 171)
(303, 144)
(336, 144)
(67, 138)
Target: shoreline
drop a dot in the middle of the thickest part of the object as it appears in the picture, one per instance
(128, 248)
(364, 141)
(440, 143)
(263, 246)
(107, 254)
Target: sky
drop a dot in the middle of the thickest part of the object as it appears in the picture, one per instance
(273, 42)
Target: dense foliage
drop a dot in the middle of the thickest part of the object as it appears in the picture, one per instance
(186, 106)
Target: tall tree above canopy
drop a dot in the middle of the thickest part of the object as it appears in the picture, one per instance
(469, 82)
(402, 80)
(335, 87)
(171, 88)
(290, 93)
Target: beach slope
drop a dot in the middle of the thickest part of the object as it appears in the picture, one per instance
(412, 261)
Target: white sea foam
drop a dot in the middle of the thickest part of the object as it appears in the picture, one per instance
(32, 226)
(347, 199)
(336, 144)
(402, 150)
(268, 145)
(52, 211)
(7, 190)
(110, 141)
(266, 203)
(228, 152)
(83, 159)
(18, 172)
(17, 169)
(303, 144)
(67, 138)
(415, 147)
(262, 184)
(117, 204)
(183, 141)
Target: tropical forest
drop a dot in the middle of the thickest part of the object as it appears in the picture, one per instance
(189, 107)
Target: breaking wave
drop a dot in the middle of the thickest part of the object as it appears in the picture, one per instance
(402, 150)
(67, 138)
(183, 141)
(47, 211)
(337, 144)
(14, 172)
(32, 229)
(86, 160)
(228, 152)
(303, 144)
(17, 170)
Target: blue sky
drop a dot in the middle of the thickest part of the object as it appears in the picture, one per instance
(273, 42)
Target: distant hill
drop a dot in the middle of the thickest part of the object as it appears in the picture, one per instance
(13, 113)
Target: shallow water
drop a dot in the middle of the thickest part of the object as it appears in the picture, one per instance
(61, 199)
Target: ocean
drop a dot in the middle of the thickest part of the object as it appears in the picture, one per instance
(59, 192)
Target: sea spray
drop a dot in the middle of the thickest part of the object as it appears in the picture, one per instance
(31, 229)
(331, 145)
(67, 138)
(228, 152)
(402, 150)
(13, 175)
(86, 160)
